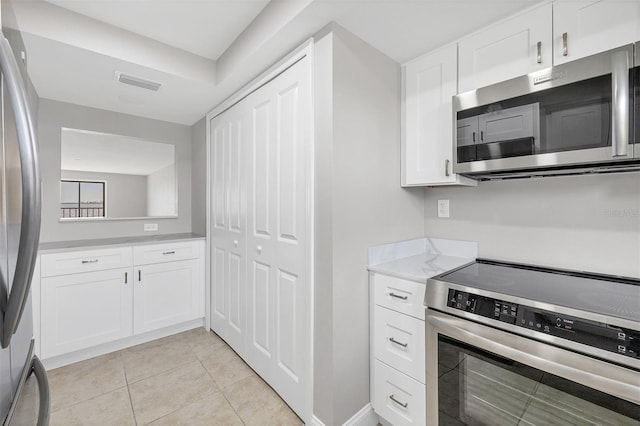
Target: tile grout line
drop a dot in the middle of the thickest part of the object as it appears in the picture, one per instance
(133, 411)
(221, 389)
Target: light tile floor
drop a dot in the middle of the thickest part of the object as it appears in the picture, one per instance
(191, 378)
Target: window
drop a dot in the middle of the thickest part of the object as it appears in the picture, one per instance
(81, 199)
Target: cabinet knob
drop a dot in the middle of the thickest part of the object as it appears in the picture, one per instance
(235, 243)
(259, 249)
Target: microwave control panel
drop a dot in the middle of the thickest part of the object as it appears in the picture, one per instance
(595, 334)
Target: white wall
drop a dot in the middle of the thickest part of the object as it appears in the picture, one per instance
(161, 192)
(126, 195)
(53, 115)
(358, 203)
(589, 223)
(199, 177)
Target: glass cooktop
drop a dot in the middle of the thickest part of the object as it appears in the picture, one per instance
(601, 294)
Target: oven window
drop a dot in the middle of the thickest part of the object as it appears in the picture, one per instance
(476, 387)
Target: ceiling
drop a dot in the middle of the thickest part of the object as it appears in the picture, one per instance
(86, 151)
(204, 50)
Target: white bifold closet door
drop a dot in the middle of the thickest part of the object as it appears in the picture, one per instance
(228, 139)
(260, 261)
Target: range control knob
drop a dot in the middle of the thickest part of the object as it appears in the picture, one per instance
(559, 322)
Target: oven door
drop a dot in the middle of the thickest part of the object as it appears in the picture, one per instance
(478, 375)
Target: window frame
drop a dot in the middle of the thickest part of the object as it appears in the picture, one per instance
(79, 182)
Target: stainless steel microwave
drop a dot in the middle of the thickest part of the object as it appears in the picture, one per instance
(579, 117)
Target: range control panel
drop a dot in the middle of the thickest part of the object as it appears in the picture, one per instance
(596, 334)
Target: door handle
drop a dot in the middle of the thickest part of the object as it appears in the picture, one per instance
(31, 193)
(619, 103)
(539, 48)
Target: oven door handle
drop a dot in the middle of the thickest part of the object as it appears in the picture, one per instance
(542, 356)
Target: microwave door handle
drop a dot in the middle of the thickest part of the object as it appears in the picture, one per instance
(30, 220)
(501, 343)
(619, 103)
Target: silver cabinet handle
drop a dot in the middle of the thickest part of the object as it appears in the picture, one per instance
(565, 49)
(168, 252)
(539, 47)
(90, 261)
(402, 404)
(619, 103)
(392, 340)
(31, 193)
(473, 137)
(481, 135)
(446, 168)
(139, 275)
(397, 296)
(126, 277)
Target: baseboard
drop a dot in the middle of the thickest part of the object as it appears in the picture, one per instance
(83, 354)
(316, 422)
(365, 417)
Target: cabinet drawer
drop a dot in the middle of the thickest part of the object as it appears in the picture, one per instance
(398, 398)
(159, 253)
(399, 342)
(399, 295)
(76, 262)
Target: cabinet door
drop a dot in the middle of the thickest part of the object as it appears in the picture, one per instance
(429, 84)
(166, 294)
(83, 310)
(278, 287)
(228, 224)
(506, 50)
(593, 26)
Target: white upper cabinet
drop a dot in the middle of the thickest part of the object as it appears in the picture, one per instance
(429, 84)
(511, 48)
(582, 28)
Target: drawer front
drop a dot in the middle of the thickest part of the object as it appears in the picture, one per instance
(399, 295)
(399, 342)
(76, 262)
(398, 398)
(159, 253)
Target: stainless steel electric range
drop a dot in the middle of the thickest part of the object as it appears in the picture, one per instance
(511, 344)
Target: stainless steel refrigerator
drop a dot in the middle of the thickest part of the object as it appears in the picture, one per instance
(24, 391)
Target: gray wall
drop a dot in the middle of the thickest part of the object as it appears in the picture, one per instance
(358, 203)
(199, 177)
(589, 223)
(126, 194)
(53, 116)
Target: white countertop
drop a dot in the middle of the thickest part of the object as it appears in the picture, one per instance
(58, 246)
(421, 259)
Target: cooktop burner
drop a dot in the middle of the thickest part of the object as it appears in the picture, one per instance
(601, 294)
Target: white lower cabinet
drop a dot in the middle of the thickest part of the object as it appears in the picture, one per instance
(399, 399)
(165, 294)
(398, 392)
(80, 310)
(83, 310)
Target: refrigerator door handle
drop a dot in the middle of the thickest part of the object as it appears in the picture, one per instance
(43, 388)
(29, 165)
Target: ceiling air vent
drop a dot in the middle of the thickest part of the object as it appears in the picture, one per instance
(138, 82)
